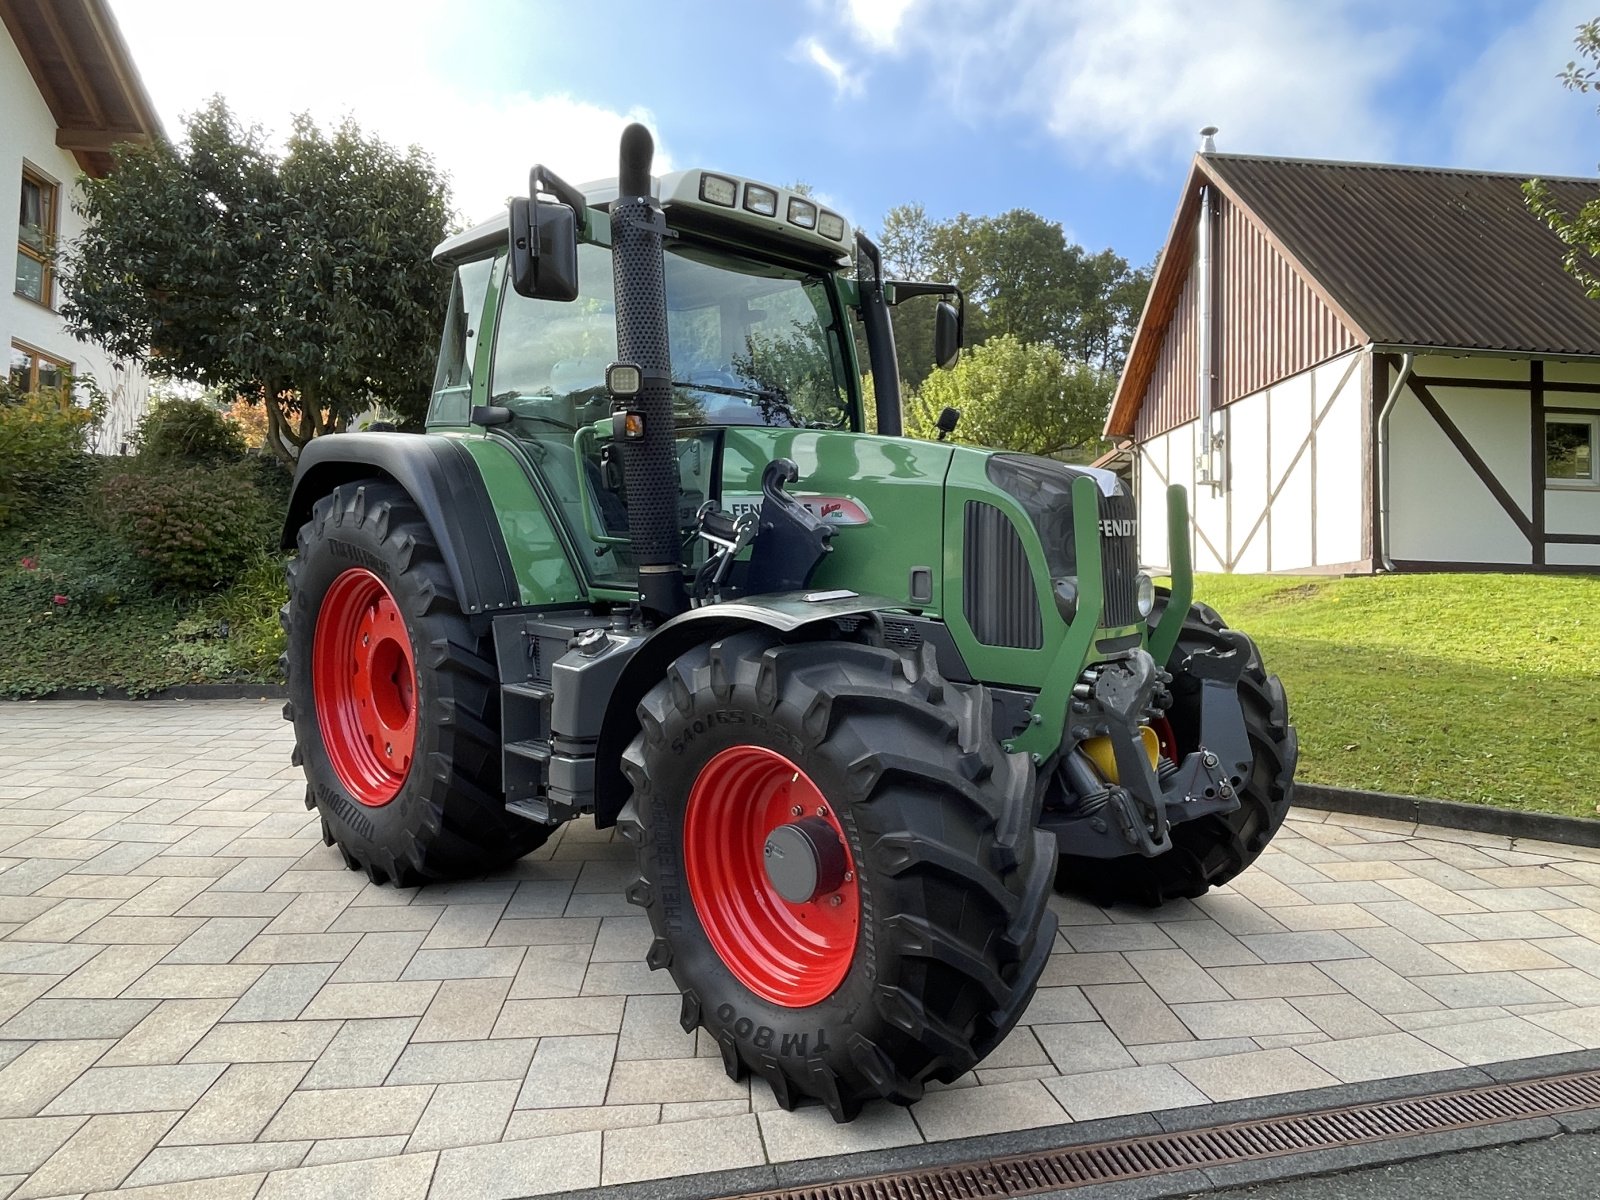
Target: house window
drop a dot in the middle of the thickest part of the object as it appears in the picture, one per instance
(1570, 445)
(33, 371)
(36, 234)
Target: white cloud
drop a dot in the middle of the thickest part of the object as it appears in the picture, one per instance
(375, 62)
(845, 81)
(1130, 84)
(877, 22)
(1507, 110)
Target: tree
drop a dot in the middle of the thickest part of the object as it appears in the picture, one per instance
(1581, 231)
(303, 282)
(1015, 395)
(1021, 276)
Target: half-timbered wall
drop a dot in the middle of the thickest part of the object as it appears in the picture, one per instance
(1466, 470)
(1294, 497)
(1268, 325)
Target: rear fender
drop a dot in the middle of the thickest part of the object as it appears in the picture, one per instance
(443, 481)
(784, 613)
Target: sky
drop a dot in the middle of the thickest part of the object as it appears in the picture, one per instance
(1085, 111)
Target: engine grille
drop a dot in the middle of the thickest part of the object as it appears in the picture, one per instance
(998, 596)
(1119, 558)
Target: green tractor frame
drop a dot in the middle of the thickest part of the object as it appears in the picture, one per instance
(858, 702)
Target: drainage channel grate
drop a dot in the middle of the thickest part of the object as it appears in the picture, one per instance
(1245, 1141)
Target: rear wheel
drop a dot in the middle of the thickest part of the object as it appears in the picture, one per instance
(394, 700)
(840, 865)
(1209, 851)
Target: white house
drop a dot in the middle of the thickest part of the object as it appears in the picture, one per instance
(1358, 367)
(68, 93)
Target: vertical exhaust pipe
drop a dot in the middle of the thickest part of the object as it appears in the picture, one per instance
(643, 431)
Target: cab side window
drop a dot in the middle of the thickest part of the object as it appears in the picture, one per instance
(452, 382)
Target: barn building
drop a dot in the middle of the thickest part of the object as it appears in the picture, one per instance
(1358, 367)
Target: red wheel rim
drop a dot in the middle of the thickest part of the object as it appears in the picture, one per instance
(791, 954)
(365, 686)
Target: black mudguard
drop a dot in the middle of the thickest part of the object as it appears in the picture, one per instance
(443, 481)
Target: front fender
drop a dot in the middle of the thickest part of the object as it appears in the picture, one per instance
(443, 481)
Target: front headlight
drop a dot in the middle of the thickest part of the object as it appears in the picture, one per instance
(1144, 594)
(1066, 594)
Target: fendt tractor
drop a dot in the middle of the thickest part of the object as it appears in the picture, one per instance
(858, 701)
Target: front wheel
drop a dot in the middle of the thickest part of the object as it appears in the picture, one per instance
(394, 699)
(1209, 851)
(840, 865)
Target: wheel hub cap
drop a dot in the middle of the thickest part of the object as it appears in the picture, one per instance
(365, 686)
(771, 876)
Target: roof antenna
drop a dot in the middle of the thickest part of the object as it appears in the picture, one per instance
(1208, 143)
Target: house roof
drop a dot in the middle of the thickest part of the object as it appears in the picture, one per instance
(83, 70)
(1413, 257)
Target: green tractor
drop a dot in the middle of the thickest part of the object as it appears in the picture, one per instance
(858, 702)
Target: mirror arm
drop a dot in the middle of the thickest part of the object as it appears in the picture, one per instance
(542, 179)
(902, 290)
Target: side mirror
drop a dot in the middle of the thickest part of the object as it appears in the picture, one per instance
(946, 334)
(544, 249)
(949, 418)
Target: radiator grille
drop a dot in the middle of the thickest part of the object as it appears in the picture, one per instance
(1119, 557)
(997, 591)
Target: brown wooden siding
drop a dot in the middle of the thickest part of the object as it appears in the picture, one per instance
(1268, 325)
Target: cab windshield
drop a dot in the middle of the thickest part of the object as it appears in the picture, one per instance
(752, 344)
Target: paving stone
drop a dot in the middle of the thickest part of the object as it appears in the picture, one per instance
(539, 898)
(264, 1041)
(134, 1089)
(101, 1154)
(1055, 1005)
(194, 982)
(1580, 1026)
(1400, 952)
(1262, 1073)
(546, 931)
(539, 1166)
(622, 939)
(657, 1081)
(1135, 1013)
(1382, 1056)
(1092, 939)
(1171, 1052)
(377, 958)
(1378, 986)
(650, 1029)
(812, 1133)
(1488, 987)
(1311, 917)
(1507, 926)
(361, 1053)
(463, 925)
(462, 1010)
(348, 1112)
(1301, 947)
(1569, 983)
(43, 958)
(415, 918)
(1446, 1016)
(1077, 969)
(1174, 976)
(1098, 1094)
(549, 972)
(402, 1178)
(167, 1034)
(568, 1072)
(281, 994)
(1279, 979)
(298, 948)
(544, 1122)
(76, 1019)
(108, 973)
(463, 1062)
(176, 1164)
(1341, 894)
(218, 940)
(237, 1107)
(1414, 921)
(339, 1150)
(26, 1142)
(1342, 1016)
(1209, 944)
(355, 1000)
(559, 1018)
(1241, 1018)
(972, 1111)
(1493, 1041)
(464, 1114)
(1496, 956)
(1082, 1046)
(42, 1072)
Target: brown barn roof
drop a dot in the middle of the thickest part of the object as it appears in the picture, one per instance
(82, 68)
(1421, 257)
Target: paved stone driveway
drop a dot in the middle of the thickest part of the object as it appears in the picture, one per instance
(192, 988)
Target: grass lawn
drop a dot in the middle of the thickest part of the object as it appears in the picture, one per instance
(1480, 688)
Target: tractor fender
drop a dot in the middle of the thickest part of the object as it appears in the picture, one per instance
(784, 612)
(443, 481)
